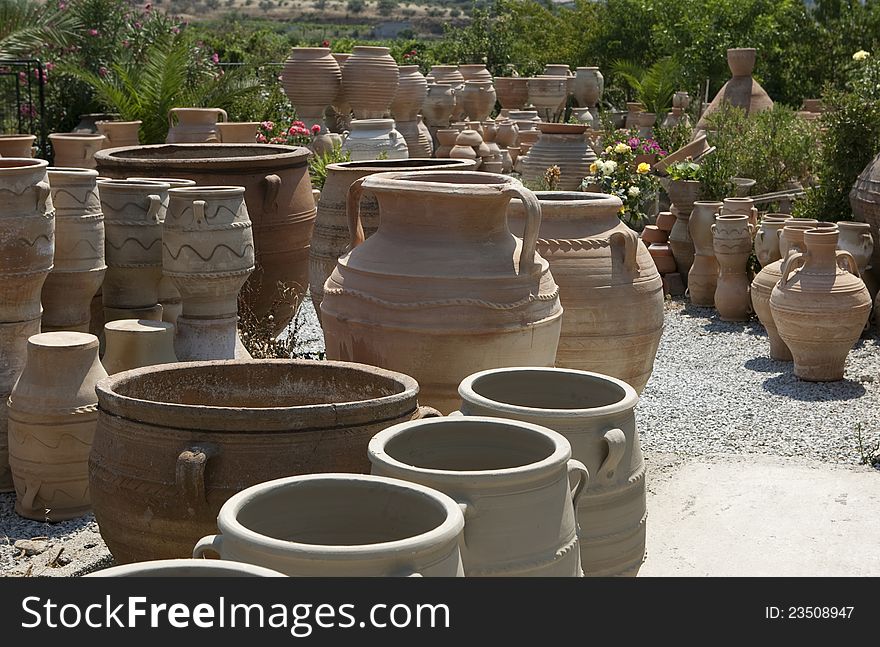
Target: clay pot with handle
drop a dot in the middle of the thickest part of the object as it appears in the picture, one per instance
(732, 242)
(194, 125)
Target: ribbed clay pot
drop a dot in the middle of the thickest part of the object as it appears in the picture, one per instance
(732, 242)
(279, 200)
(76, 150)
(820, 308)
(79, 266)
(417, 137)
(478, 98)
(186, 568)
(459, 291)
(120, 133)
(790, 239)
(562, 145)
(17, 145)
(475, 72)
(591, 252)
(512, 91)
(411, 93)
(589, 85)
(370, 79)
(703, 275)
(451, 75)
(341, 525)
(864, 198)
(311, 79)
(371, 138)
(595, 413)
(194, 125)
(175, 441)
(134, 343)
(340, 104)
(767, 240)
(52, 413)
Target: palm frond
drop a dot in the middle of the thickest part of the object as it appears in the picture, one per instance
(26, 26)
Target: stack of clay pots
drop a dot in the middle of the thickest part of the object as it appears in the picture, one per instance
(562, 145)
(732, 243)
(469, 145)
(27, 248)
(656, 238)
(682, 194)
(703, 275)
(311, 79)
(411, 94)
(193, 125)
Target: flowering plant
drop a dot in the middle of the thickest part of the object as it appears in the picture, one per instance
(290, 133)
(617, 173)
(684, 170)
(639, 145)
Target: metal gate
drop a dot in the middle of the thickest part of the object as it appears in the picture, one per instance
(23, 100)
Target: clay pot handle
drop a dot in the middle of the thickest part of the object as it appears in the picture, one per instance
(199, 211)
(273, 186)
(353, 207)
(214, 543)
(533, 225)
(629, 241)
(576, 467)
(616, 441)
(426, 412)
(850, 260)
(31, 489)
(788, 266)
(222, 113)
(189, 473)
(171, 114)
(43, 192)
(153, 209)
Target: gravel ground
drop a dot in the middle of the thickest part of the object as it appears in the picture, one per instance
(714, 391)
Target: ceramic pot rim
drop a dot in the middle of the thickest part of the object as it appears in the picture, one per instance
(9, 136)
(732, 217)
(629, 400)
(818, 236)
(22, 164)
(712, 203)
(166, 180)
(272, 157)
(122, 185)
(851, 224)
(104, 122)
(575, 199)
(220, 419)
(448, 530)
(72, 170)
(88, 136)
(217, 191)
(204, 568)
(485, 185)
(311, 50)
(402, 165)
(226, 124)
(63, 340)
(371, 49)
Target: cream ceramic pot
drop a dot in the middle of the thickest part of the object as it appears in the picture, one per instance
(511, 480)
(341, 525)
(186, 568)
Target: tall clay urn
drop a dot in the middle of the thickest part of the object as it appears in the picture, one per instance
(562, 145)
(443, 288)
(52, 413)
(682, 195)
(820, 308)
(703, 275)
(438, 105)
(311, 79)
(732, 242)
(194, 125)
(611, 292)
(208, 251)
(478, 98)
(370, 79)
(79, 266)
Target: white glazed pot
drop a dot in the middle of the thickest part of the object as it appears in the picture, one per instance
(370, 138)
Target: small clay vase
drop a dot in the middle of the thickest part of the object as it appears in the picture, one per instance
(133, 343)
(194, 125)
(767, 240)
(370, 79)
(120, 133)
(76, 150)
(732, 242)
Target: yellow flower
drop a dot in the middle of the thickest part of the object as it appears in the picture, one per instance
(643, 168)
(861, 55)
(593, 168)
(607, 149)
(621, 148)
(621, 210)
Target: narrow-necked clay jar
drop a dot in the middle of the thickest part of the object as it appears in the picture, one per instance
(511, 480)
(732, 242)
(342, 525)
(133, 343)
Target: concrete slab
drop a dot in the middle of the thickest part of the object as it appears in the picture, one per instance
(758, 515)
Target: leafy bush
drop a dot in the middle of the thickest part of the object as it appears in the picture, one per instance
(671, 138)
(684, 170)
(653, 86)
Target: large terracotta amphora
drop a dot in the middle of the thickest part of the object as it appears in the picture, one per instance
(732, 241)
(194, 125)
(369, 80)
(443, 288)
(703, 275)
(311, 79)
(562, 145)
(611, 292)
(820, 308)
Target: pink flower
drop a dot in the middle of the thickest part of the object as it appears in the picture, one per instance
(215, 57)
(62, 6)
(137, 25)
(103, 71)
(268, 125)
(175, 30)
(316, 129)
(22, 76)
(93, 32)
(50, 66)
(125, 43)
(148, 7)
(261, 138)
(325, 43)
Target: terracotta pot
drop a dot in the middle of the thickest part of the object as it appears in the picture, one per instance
(120, 133)
(134, 343)
(507, 133)
(76, 150)
(681, 100)
(665, 222)
(596, 414)
(790, 239)
(855, 237)
(682, 194)
(341, 525)
(512, 91)
(79, 266)
(311, 79)
(88, 122)
(589, 85)
(13, 341)
(411, 93)
(417, 138)
(370, 138)
(370, 80)
(511, 480)
(52, 413)
(742, 186)
(438, 105)
(547, 94)
(819, 308)
(741, 205)
(17, 145)
(645, 121)
(732, 241)
(563, 145)
(459, 292)
(237, 132)
(133, 215)
(475, 72)
(590, 252)
(446, 138)
(174, 442)
(279, 202)
(451, 75)
(186, 568)
(653, 234)
(194, 125)
(478, 99)
(741, 60)
(703, 275)
(208, 251)
(767, 240)
(742, 91)
(864, 198)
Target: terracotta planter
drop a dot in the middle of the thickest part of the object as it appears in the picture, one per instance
(864, 198)
(134, 343)
(767, 241)
(589, 85)
(411, 93)
(547, 94)
(311, 79)
(511, 480)
(13, 341)
(370, 80)
(791, 239)
(512, 92)
(506, 135)
(682, 195)
(562, 145)
(174, 442)
(475, 72)
(186, 568)
(820, 309)
(741, 205)
(446, 141)
(742, 91)
(208, 251)
(459, 292)
(855, 238)
(52, 413)
(591, 252)
(703, 275)
(279, 201)
(76, 150)
(341, 525)
(417, 137)
(732, 242)
(450, 75)
(439, 104)
(596, 414)
(237, 132)
(120, 133)
(17, 145)
(194, 125)
(478, 98)
(370, 138)
(133, 214)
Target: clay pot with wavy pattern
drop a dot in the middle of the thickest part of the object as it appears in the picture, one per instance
(732, 242)
(120, 133)
(547, 94)
(370, 79)
(447, 294)
(595, 413)
(511, 480)
(311, 79)
(175, 441)
(208, 251)
(17, 145)
(194, 125)
(591, 252)
(76, 150)
(820, 308)
(79, 250)
(52, 415)
(703, 275)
